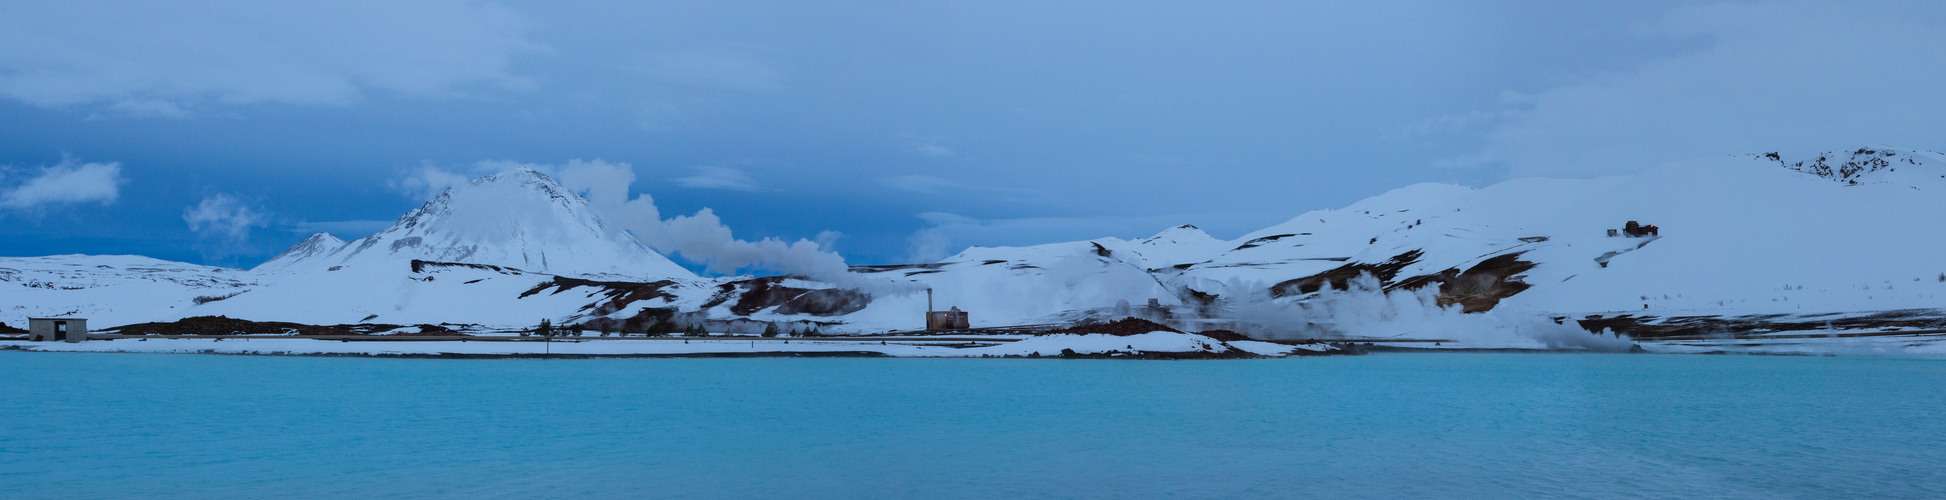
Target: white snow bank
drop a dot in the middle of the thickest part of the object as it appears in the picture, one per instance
(598, 347)
(1050, 345)
(1097, 343)
(1271, 348)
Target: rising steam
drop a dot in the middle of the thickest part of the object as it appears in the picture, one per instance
(701, 238)
(1364, 309)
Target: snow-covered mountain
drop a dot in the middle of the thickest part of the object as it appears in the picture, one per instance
(1845, 233)
(1749, 236)
(513, 230)
(302, 256)
(520, 219)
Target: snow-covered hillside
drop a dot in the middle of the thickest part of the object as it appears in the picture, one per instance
(110, 289)
(1748, 236)
(1739, 235)
(302, 256)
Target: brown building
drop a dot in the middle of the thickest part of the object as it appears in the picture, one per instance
(953, 319)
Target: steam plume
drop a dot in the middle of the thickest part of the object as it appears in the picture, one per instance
(700, 238)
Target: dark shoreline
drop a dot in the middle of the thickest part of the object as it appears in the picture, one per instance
(773, 354)
(1143, 356)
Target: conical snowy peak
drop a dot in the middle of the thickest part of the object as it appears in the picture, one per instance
(521, 219)
(313, 248)
(1178, 235)
(1182, 244)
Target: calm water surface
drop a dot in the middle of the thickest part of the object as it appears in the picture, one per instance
(1381, 426)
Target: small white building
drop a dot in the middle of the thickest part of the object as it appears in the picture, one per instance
(57, 329)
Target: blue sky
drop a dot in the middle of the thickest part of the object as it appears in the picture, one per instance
(223, 132)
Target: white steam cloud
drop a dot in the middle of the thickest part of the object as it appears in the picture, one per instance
(68, 182)
(429, 180)
(700, 238)
(1366, 310)
(927, 245)
(224, 222)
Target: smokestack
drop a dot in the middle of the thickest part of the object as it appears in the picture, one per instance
(928, 300)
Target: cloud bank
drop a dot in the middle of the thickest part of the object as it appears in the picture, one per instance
(1771, 75)
(169, 59)
(719, 178)
(224, 224)
(68, 182)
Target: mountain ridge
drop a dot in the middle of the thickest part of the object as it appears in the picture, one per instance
(1740, 235)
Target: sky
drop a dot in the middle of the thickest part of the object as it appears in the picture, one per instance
(222, 132)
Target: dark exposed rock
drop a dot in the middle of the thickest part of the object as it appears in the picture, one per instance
(1478, 288)
(1224, 335)
(1339, 276)
(1260, 241)
(762, 293)
(1199, 297)
(660, 320)
(898, 267)
(420, 266)
(438, 330)
(223, 325)
(615, 295)
(1847, 170)
(1651, 327)
(826, 302)
(1120, 328)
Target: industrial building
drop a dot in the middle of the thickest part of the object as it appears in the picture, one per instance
(57, 329)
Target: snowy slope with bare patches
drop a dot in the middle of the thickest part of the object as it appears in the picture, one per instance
(304, 255)
(110, 289)
(1747, 234)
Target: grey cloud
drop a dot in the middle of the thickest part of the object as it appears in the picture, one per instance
(223, 223)
(934, 185)
(68, 182)
(719, 178)
(946, 232)
(711, 71)
(429, 180)
(222, 215)
(1772, 76)
(347, 229)
(925, 184)
(927, 245)
(168, 59)
(929, 146)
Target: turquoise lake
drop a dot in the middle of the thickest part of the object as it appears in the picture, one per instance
(1455, 425)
